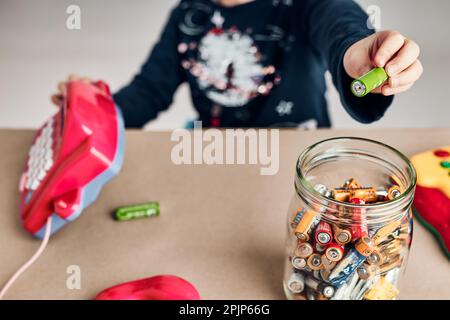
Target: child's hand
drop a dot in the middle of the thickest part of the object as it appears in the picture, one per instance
(59, 96)
(388, 49)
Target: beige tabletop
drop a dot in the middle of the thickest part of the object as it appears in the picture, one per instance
(221, 227)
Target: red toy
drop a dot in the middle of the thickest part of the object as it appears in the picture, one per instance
(165, 287)
(432, 197)
(73, 155)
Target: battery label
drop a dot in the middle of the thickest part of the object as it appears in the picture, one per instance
(368, 82)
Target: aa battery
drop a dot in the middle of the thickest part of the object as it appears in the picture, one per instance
(304, 250)
(395, 259)
(297, 217)
(305, 225)
(364, 246)
(327, 263)
(382, 233)
(136, 212)
(341, 194)
(325, 274)
(298, 263)
(402, 233)
(375, 258)
(320, 248)
(392, 247)
(405, 227)
(382, 194)
(359, 228)
(334, 252)
(351, 285)
(341, 236)
(323, 233)
(316, 275)
(393, 262)
(365, 286)
(323, 190)
(296, 282)
(345, 268)
(394, 192)
(366, 271)
(352, 184)
(368, 195)
(368, 82)
(382, 290)
(354, 258)
(310, 294)
(318, 286)
(314, 262)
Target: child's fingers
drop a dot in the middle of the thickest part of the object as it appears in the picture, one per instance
(57, 99)
(390, 45)
(402, 82)
(86, 80)
(377, 90)
(387, 90)
(73, 77)
(404, 58)
(410, 75)
(62, 88)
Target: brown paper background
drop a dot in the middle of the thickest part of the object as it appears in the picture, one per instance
(221, 227)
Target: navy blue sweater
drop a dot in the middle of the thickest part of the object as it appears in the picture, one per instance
(257, 64)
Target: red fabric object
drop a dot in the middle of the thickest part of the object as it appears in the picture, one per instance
(80, 148)
(433, 206)
(164, 287)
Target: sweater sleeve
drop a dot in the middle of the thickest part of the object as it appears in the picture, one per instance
(332, 26)
(153, 87)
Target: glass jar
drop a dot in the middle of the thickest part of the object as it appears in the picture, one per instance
(349, 224)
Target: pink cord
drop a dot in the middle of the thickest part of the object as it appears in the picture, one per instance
(32, 260)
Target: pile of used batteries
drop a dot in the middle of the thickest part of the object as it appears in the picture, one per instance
(332, 261)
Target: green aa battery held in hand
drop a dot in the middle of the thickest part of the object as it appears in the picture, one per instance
(368, 82)
(135, 212)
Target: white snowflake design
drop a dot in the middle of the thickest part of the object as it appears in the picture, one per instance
(232, 73)
(226, 63)
(284, 108)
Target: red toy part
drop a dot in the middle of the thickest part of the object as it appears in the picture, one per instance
(432, 197)
(432, 208)
(73, 155)
(165, 287)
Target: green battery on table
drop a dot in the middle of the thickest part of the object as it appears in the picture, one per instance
(137, 212)
(368, 82)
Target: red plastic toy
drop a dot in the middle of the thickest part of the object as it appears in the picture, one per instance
(73, 155)
(432, 197)
(164, 287)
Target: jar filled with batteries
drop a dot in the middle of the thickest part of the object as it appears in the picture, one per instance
(349, 222)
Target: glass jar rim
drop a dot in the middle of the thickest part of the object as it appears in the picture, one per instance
(305, 184)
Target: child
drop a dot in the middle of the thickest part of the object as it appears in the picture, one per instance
(260, 63)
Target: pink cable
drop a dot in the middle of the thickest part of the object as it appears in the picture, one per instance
(32, 260)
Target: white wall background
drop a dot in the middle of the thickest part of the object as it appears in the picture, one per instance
(36, 51)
